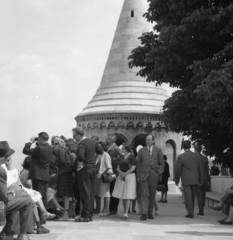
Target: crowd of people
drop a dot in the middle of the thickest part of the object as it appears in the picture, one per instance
(69, 178)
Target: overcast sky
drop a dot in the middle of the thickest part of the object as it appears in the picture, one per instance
(52, 57)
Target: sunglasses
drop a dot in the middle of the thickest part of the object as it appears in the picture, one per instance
(56, 144)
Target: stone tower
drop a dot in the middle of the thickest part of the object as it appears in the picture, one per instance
(125, 104)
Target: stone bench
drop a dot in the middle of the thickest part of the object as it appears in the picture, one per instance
(212, 198)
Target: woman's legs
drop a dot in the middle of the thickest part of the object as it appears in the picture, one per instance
(106, 204)
(124, 205)
(56, 203)
(161, 199)
(127, 205)
(44, 212)
(66, 201)
(230, 215)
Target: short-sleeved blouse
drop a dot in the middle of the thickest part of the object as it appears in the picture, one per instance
(126, 164)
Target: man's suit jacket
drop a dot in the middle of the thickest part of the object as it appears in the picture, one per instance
(205, 166)
(41, 157)
(114, 152)
(188, 167)
(147, 164)
(86, 153)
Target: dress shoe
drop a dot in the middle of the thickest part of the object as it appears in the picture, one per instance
(113, 213)
(143, 217)
(160, 200)
(42, 230)
(224, 222)
(164, 201)
(200, 214)
(150, 216)
(189, 216)
(80, 219)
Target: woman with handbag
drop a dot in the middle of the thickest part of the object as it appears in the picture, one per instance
(125, 187)
(164, 181)
(105, 176)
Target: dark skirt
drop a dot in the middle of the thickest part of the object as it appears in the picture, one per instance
(164, 182)
(65, 185)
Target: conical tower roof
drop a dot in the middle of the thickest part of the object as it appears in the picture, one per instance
(121, 91)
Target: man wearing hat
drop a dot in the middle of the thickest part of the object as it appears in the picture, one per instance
(39, 167)
(23, 204)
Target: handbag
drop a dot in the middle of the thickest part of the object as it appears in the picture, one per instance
(161, 187)
(106, 177)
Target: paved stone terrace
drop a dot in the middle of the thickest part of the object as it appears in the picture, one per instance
(169, 224)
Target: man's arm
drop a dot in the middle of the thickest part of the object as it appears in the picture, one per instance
(200, 171)
(139, 160)
(80, 156)
(178, 168)
(207, 168)
(161, 161)
(117, 153)
(31, 151)
(3, 185)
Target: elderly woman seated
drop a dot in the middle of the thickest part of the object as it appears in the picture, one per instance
(225, 204)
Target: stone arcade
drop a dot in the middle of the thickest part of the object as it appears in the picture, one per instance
(125, 104)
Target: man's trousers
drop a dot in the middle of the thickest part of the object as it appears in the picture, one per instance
(20, 208)
(41, 186)
(147, 192)
(114, 202)
(86, 178)
(190, 191)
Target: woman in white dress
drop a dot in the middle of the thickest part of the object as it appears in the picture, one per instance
(125, 187)
(13, 177)
(104, 188)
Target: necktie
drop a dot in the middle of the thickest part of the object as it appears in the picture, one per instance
(149, 151)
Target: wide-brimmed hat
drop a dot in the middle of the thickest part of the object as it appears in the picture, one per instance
(5, 150)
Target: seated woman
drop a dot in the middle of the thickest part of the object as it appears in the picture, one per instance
(224, 204)
(228, 220)
(125, 187)
(13, 176)
(104, 188)
(51, 191)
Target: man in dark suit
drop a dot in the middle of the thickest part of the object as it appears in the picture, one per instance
(23, 204)
(39, 167)
(86, 173)
(188, 167)
(205, 169)
(114, 152)
(150, 164)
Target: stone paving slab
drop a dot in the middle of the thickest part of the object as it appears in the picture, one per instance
(169, 224)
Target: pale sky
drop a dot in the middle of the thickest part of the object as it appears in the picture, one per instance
(52, 57)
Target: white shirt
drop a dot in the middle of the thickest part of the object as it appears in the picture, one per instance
(12, 175)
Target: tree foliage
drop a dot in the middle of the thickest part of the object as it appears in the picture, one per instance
(191, 48)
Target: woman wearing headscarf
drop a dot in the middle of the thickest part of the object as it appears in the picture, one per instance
(65, 178)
